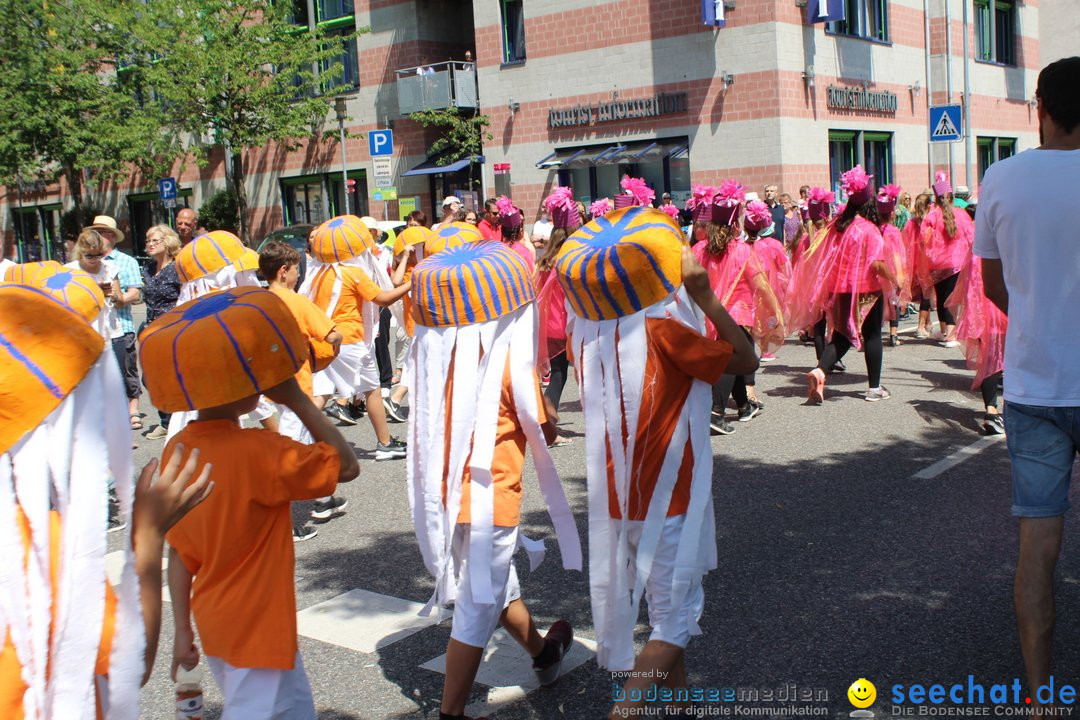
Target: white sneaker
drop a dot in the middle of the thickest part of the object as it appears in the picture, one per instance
(878, 393)
(951, 343)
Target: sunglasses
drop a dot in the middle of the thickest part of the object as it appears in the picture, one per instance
(93, 256)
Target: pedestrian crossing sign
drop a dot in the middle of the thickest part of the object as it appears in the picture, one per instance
(945, 123)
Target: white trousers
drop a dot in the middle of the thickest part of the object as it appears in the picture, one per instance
(263, 694)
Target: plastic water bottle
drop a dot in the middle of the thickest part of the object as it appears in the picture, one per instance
(189, 697)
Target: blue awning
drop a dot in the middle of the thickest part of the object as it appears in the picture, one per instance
(431, 167)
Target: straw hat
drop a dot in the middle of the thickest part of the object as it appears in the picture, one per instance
(207, 254)
(107, 224)
(621, 263)
(220, 348)
(472, 283)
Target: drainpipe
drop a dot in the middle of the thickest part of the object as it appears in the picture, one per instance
(948, 71)
(929, 94)
(967, 103)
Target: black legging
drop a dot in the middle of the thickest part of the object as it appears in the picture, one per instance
(944, 289)
(924, 305)
(872, 347)
(990, 388)
(382, 350)
(560, 366)
(820, 328)
(734, 385)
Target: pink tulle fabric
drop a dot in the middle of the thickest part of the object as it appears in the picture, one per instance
(897, 259)
(757, 216)
(731, 276)
(518, 246)
(942, 256)
(550, 302)
(980, 325)
(672, 211)
(801, 309)
(600, 207)
(774, 260)
(836, 280)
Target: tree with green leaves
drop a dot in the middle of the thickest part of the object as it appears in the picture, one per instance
(460, 136)
(240, 73)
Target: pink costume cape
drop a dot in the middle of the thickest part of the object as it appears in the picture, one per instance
(980, 325)
(943, 256)
(896, 258)
(731, 276)
(837, 280)
(518, 246)
(801, 310)
(551, 302)
(774, 260)
(912, 235)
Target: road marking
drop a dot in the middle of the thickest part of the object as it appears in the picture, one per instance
(507, 670)
(114, 568)
(950, 461)
(362, 620)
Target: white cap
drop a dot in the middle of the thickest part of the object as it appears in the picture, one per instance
(451, 199)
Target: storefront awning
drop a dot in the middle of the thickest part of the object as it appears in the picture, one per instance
(431, 166)
(559, 158)
(619, 153)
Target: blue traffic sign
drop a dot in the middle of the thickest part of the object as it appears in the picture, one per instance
(380, 142)
(946, 122)
(167, 188)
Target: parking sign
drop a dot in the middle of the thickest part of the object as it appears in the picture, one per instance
(167, 188)
(380, 142)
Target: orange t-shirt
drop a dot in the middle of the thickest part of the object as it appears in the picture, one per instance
(676, 356)
(507, 458)
(356, 288)
(313, 323)
(407, 305)
(238, 543)
(12, 687)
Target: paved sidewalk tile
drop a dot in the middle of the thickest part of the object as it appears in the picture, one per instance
(362, 620)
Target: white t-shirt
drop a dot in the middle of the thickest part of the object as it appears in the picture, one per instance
(107, 322)
(4, 265)
(542, 229)
(1029, 219)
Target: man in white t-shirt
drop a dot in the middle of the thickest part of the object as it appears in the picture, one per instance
(450, 206)
(1027, 231)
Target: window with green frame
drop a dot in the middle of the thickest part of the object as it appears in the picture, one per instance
(336, 18)
(872, 150)
(991, 149)
(513, 31)
(841, 155)
(868, 19)
(995, 31)
(877, 156)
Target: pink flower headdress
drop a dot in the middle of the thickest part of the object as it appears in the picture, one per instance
(562, 208)
(758, 217)
(600, 207)
(727, 201)
(819, 202)
(672, 211)
(942, 186)
(701, 200)
(886, 200)
(509, 216)
(642, 194)
(856, 183)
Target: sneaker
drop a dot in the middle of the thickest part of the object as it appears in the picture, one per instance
(815, 386)
(356, 410)
(158, 433)
(335, 411)
(894, 341)
(921, 334)
(393, 450)
(749, 411)
(993, 424)
(878, 393)
(393, 411)
(559, 637)
(838, 367)
(951, 343)
(767, 357)
(720, 426)
(300, 533)
(324, 510)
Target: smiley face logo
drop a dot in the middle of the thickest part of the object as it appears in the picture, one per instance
(862, 693)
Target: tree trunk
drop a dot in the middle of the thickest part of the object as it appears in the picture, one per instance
(74, 179)
(241, 198)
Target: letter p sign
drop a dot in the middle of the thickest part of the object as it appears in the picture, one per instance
(380, 142)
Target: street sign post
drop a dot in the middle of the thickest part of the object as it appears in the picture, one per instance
(167, 192)
(945, 123)
(380, 142)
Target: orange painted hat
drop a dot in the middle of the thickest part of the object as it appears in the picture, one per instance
(76, 289)
(25, 273)
(207, 254)
(248, 260)
(471, 283)
(340, 239)
(453, 235)
(621, 263)
(46, 349)
(415, 235)
(222, 347)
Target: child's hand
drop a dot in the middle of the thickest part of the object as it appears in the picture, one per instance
(159, 505)
(694, 276)
(185, 653)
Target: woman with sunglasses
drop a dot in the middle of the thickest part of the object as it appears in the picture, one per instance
(161, 288)
(89, 253)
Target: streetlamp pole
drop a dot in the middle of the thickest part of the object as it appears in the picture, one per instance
(339, 109)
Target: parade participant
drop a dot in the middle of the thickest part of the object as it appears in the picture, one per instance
(947, 235)
(476, 406)
(635, 193)
(895, 257)
(551, 300)
(981, 329)
(89, 251)
(600, 208)
(739, 280)
(912, 234)
(68, 651)
(512, 232)
(851, 280)
(408, 250)
(760, 235)
(645, 367)
(161, 289)
(278, 263)
(216, 356)
(343, 288)
(24, 273)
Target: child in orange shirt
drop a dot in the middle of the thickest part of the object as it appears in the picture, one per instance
(646, 390)
(279, 264)
(474, 421)
(239, 544)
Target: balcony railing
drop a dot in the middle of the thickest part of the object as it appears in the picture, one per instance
(437, 86)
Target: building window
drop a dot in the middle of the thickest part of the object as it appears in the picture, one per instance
(350, 69)
(513, 29)
(333, 9)
(867, 19)
(872, 150)
(336, 19)
(992, 149)
(995, 31)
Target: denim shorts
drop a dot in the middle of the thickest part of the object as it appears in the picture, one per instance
(1043, 443)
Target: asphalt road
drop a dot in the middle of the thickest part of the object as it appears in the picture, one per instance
(835, 561)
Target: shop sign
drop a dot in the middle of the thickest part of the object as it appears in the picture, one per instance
(860, 99)
(654, 106)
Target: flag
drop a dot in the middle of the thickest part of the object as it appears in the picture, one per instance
(824, 10)
(712, 12)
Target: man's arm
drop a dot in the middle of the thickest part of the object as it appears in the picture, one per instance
(994, 284)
